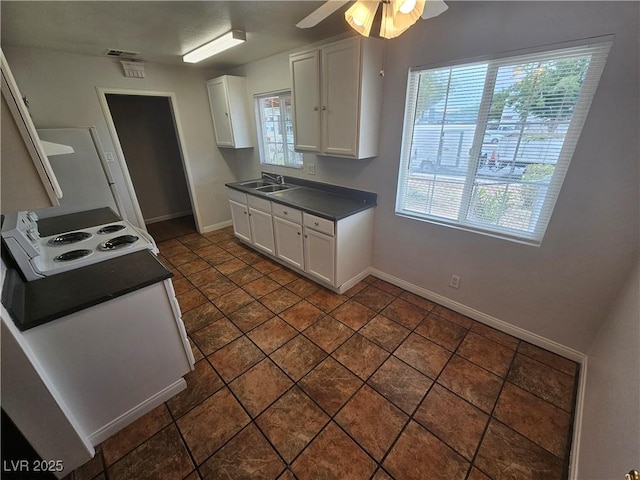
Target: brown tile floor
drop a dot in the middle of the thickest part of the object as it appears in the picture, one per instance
(294, 381)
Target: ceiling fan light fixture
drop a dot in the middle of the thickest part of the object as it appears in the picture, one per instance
(406, 12)
(360, 16)
(406, 6)
(220, 44)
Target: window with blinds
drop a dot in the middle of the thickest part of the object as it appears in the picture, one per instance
(486, 145)
(275, 130)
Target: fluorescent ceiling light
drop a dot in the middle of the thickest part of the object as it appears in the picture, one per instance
(220, 44)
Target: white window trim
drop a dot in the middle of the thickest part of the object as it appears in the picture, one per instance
(259, 128)
(494, 62)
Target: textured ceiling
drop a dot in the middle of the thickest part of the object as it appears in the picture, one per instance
(164, 31)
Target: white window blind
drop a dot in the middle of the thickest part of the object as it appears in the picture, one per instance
(275, 130)
(486, 145)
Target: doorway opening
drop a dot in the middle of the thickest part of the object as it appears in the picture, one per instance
(147, 133)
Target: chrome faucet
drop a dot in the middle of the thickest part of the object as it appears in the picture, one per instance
(272, 177)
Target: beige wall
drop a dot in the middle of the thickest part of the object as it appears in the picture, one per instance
(610, 436)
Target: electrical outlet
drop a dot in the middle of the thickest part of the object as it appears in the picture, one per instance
(311, 168)
(109, 156)
(455, 281)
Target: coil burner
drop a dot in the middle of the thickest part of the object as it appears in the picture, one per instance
(69, 238)
(119, 242)
(72, 255)
(110, 229)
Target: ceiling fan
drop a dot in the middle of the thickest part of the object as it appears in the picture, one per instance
(397, 15)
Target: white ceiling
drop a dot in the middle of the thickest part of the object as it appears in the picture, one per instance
(163, 31)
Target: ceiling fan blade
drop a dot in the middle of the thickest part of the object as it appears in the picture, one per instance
(321, 13)
(433, 8)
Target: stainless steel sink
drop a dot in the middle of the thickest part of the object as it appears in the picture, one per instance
(273, 188)
(256, 184)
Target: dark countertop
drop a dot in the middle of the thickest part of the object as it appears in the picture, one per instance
(322, 199)
(40, 301)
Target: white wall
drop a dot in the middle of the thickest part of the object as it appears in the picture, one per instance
(610, 434)
(563, 289)
(61, 88)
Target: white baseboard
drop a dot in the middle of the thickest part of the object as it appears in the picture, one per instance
(113, 427)
(217, 226)
(170, 216)
(501, 325)
(355, 280)
(577, 422)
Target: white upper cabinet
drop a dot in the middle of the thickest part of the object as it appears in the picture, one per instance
(305, 79)
(230, 111)
(337, 98)
(28, 181)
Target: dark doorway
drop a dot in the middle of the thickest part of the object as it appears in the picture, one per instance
(148, 138)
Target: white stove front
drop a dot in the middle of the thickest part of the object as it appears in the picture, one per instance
(101, 246)
(40, 257)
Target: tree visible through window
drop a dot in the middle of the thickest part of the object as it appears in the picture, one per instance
(486, 145)
(275, 131)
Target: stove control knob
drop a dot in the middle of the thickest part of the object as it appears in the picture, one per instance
(32, 216)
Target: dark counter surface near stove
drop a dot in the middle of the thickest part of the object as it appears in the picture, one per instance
(40, 301)
(76, 221)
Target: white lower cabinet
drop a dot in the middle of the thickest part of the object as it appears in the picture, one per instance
(262, 230)
(336, 254)
(289, 244)
(319, 255)
(252, 221)
(240, 217)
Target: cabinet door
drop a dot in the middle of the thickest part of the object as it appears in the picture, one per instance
(341, 98)
(219, 102)
(305, 82)
(262, 230)
(289, 245)
(319, 255)
(28, 181)
(240, 217)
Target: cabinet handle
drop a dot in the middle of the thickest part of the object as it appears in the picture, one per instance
(298, 233)
(324, 107)
(306, 236)
(244, 213)
(285, 212)
(316, 223)
(226, 113)
(315, 108)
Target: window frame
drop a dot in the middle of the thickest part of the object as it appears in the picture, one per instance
(260, 130)
(601, 47)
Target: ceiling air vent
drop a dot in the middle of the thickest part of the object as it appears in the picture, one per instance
(115, 53)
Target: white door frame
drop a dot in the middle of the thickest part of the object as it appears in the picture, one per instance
(173, 105)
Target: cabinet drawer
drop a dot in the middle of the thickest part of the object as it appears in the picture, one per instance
(320, 224)
(259, 203)
(237, 196)
(289, 213)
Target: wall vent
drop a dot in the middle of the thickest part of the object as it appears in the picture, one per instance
(113, 52)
